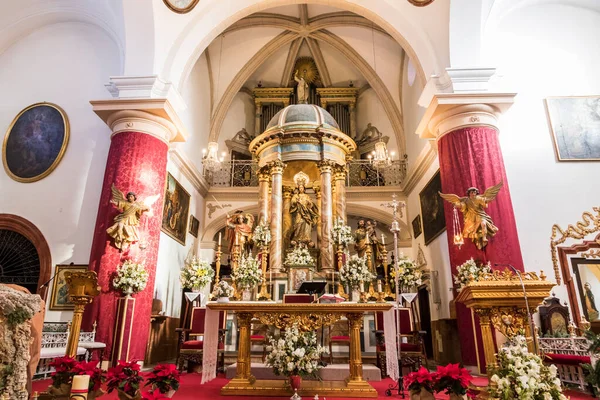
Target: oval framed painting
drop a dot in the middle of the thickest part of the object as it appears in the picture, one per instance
(35, 142)
(181, 6)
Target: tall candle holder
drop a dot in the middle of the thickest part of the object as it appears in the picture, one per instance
(340, 262)
(82, 287)
(264, 293)
(218, 255)
(387, 290)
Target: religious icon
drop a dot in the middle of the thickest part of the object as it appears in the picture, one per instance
(360, 238)
(590, 302)
(304, 212)
(302, 92)
(479, 226)
(125, 229)
(377, 247)
(239, 230)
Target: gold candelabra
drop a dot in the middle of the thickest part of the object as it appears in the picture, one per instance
(264, 293)
(235, 260)
(82, 287)
(340, 259)
(218, 254)
(387, 290)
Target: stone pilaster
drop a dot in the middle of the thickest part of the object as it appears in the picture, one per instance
(263, 195)
(276, 251)
(339, 184)
(326, 168)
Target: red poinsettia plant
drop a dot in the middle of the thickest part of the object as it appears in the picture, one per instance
(163, 377)
(96, 374)
(155, 395)
(422, 379)
(124, 377)
(63, 370)
(452, 379)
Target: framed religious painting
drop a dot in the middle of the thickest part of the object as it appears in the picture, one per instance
(35, 142)
(587, 274)
(59, 300)
(194, 225)
(417, 228)
(432, 209)
(575, 127)
(181, 6)
(175, 210)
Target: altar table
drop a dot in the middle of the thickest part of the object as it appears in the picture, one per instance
(307, 317)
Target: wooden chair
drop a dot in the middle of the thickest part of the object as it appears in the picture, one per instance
(339, 333)
(412, 347)
(258, 336)
(191, 340)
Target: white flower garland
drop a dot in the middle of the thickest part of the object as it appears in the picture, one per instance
(409, 275)
(131, 277)
(356, 271)
(299, 256)
(522, 375)
(470, 268)
(222, 289)
(262, 235)
(248, 273)
(196, 273)
(294, 353)
(341, 234)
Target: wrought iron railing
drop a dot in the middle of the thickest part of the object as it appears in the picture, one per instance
(244, 173)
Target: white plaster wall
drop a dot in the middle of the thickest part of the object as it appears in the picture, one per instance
(412, 112)
(44, 67)
(370, 109)
(240, 115)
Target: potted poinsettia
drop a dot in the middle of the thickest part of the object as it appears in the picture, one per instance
(453, 380)
(155, 395)
(420, 384)
(62, 375)
(96, 377)
(164, 378)
(125, 379)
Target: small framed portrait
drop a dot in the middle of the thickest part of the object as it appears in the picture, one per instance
(587, 274)
(432, 209)
(35, 142)
(175, 210)
(194, 225)
(59, 301)
(181, 6)
(417, 228)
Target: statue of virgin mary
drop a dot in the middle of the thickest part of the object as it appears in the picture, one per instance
(304, 212)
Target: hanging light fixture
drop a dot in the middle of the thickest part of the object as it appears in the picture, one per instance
(458, 236)
(381, 158)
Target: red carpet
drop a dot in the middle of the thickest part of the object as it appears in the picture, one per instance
(192, 389)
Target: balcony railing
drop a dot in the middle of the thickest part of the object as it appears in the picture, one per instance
(361, 173)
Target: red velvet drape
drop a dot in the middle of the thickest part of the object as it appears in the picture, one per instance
(136, 162)
(472, 157)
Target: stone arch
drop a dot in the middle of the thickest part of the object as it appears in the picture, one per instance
(24, 227)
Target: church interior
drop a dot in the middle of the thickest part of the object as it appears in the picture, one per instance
(299, 199)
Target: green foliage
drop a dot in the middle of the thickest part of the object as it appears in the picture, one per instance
(592, 375)
(594, 342)
(18, 316)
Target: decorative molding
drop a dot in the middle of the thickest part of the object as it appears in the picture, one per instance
(470, 79)
(593, 253)
(315, 50)
(140, 121)
(145, 87)
(303, 14)
(247, 91)
(211, 82)
(420, 167)
(189, 170)
(290, 61)
(214, 207)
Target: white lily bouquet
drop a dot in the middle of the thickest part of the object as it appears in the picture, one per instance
(262, 234)
(248, 274)
(356, 271)
(222, 289)
(196, 274)
(469, 269)
(294, 353)
(131, 278)
(522, 375)
(341, 234)
(299, 256)
(409, 275)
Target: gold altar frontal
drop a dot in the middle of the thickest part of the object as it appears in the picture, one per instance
(307, 317)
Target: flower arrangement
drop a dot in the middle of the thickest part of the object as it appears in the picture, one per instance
(522, 375)
(125, 377)
(341, 234)
(417, 382)
(356, 271)
(409, 275)
(294, 353)
(262, 234)
(452, 379)
(131, 277)
(222, 289)
(470, 269)
(96, 374)
(248, 273)
(299, 256)
(64, 369)
(163, 378)
(196, 274)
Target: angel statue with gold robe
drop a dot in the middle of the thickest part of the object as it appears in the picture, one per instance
(125, 229)
(239, 231)
(479, 226)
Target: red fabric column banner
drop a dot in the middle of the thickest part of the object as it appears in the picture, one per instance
(136, 162)
(123, 330)
(472, 157)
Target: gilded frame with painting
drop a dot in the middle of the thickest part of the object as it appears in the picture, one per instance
(59, 301)
(175, 210)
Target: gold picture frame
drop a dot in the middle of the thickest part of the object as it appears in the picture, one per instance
(59, 301)
(176, 209)
(181, 10)
(47, 128)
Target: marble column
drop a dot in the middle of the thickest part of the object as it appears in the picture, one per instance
(317, 190)
(287, 217)
(339, 179)
(326, 167)
(275, 255)
(263, 195)
(352, 107)
(137, 162)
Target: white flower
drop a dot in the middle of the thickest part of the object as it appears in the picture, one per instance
(131, 276)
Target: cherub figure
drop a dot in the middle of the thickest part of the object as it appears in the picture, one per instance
(124, 231)
(479, 226)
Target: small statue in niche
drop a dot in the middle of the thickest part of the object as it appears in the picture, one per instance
(239, 230)
(360, 238)
(125, 229)
(304, 212)
(242, 136)
(377, 252)
(370, 133)
(478, 225)
(302, 91)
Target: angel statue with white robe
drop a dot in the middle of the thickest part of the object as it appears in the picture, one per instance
(125, 229)
(479, 226)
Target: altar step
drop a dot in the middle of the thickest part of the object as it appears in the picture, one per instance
(332, 372)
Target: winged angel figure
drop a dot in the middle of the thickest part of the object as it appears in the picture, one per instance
(124, 231)
(479, 226)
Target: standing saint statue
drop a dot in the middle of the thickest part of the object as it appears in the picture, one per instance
(302, 91)
(479, 226)
(124, 231)
(239, 230)
(304, 212)
(377, 252)
(360, 238)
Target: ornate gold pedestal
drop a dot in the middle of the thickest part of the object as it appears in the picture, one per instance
(83, 287)
(307, 317)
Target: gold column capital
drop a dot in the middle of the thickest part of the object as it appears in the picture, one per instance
(355, 320)
(317, 189)
(339, 172)
(287, 192)
(264, 175)
(326, 166)
(276, 167)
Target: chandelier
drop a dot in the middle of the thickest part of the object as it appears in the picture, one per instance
(210, 160)
(381, 158)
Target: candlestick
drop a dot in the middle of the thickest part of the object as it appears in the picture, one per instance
(219, 238)
(382, 238)
(79, 387)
